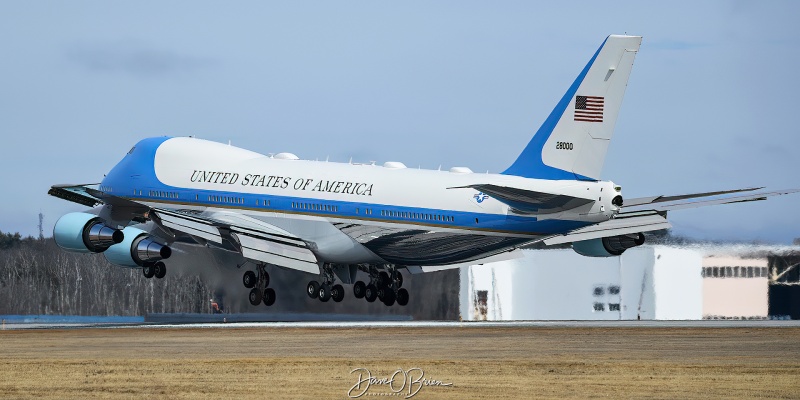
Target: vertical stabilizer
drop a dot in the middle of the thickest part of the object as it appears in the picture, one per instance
(573, 140)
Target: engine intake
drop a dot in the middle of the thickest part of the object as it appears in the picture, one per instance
(608, 246)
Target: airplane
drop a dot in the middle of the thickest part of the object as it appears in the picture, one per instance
(336, 220)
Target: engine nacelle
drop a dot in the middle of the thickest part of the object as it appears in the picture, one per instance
(608, 246)
(85, 233)
(137, 248)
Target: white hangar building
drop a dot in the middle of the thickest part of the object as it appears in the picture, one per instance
(648, 283)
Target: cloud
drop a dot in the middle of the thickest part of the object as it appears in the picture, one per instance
(136, 60)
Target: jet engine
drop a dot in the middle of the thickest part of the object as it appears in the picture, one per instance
(137, 249)
(85, 233)
(608, 246)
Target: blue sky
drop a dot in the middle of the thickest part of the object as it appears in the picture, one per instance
(709, 105)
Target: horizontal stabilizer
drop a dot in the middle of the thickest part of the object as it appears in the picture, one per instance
(661, 199)
(529, 201)
(642, 222)
(667, 203)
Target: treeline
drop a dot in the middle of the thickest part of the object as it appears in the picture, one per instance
(37, 277)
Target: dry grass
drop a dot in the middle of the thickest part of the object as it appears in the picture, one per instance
(316, 363)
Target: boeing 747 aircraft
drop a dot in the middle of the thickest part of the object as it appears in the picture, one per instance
(336, 219)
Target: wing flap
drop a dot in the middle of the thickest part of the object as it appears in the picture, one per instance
(276, 253)
(188, 224)
(642, 222)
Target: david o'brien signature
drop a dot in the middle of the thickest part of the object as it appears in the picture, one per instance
(402, 382)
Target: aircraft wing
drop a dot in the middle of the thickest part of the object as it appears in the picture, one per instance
(528, 201)
(621, 225)
(668, 203)
(254, 239)
(75, 194)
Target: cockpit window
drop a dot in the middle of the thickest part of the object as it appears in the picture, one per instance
(131, 150)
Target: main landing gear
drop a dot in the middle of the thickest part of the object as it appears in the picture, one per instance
(384, 285)
(328, 289)
(258, 282)
(157, 269)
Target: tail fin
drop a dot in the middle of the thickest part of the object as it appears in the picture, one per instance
(573, 140)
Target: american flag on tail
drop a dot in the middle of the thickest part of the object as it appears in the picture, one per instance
(589, 108)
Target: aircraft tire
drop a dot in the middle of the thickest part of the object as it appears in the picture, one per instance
(370, 293)
(402, 297)
(269, 297)
(325, 293)
(249, 279)
(389, 298)
(148, 271)
(312, 289)
(337, 292)
(358, 289)
(160, 270)
(255, 297)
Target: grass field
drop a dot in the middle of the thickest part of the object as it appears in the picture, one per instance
(512, 363)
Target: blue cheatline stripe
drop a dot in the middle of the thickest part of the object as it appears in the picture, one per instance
(529, 164)
(352, 210)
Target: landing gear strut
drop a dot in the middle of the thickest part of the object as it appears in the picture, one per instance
(258, 282)
(328, 289)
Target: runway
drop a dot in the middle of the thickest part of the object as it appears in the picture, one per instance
(417, 324)
(543, 359)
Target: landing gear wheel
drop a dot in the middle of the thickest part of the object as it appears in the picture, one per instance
(313, 289)
(255, 297)
(358, 289)
(265, 277)
(388, 298)
(337, 293)
(269, 297)
(384, 279)
(325, 293)
(249, 279)
(370, 293)
(402, 297)
(148, 271)
(160, 270)
(382, 292)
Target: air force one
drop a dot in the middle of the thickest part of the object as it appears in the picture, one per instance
(336, 219)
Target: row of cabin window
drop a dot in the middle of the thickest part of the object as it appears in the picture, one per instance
(734, 272)
(226, 199)
(315, 207)
(156, 193)
(430, 217)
